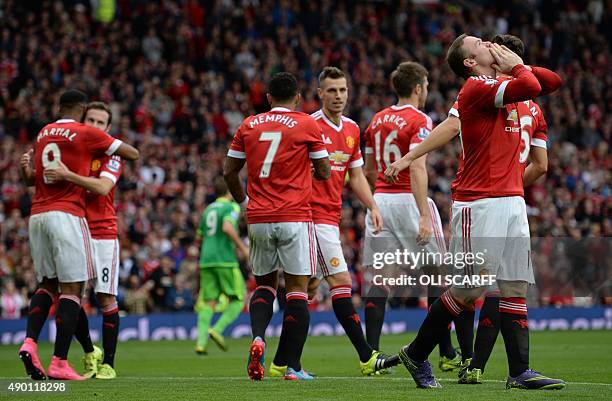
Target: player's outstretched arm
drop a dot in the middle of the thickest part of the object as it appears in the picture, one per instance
(418, 186)
(537, 167)
(322, 170)
(232, 234)
(231, 171)
(26, 171)
(361, 187)
(99, 186)
(127, 152)
(440, 136)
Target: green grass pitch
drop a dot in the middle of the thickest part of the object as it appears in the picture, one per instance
(171, 370)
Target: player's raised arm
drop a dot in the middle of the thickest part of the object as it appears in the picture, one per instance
(525, 86)
(128, 152)
(440, 136)
(549, 80)
(26, 171)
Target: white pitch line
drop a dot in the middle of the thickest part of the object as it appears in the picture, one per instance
(244, 378)
(444, 379)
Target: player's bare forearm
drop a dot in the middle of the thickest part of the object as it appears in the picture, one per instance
(27, 176)
(127, 152)
(440, 136)
(418, 185)
(231, 171)
(537, 167)
(322, 169)
(99, 186)
(361, 187)
(371, 171)
(27, 173)
(232, 234)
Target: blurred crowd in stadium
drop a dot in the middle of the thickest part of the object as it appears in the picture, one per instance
(181, 75)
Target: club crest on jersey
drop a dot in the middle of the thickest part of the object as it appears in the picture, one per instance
(334, 262)
(113, 165)
(95, 165)
(350, 142)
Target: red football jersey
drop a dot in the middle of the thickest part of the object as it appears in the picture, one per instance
(390, 135)
(101, 215)
(534, 131)
(74, 144)
(342, 143)
(491, 142)
(278, 146)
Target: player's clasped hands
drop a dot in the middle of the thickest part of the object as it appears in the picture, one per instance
(505, 59)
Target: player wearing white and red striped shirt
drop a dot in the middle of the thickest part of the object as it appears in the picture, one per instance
(489, 213)
(102, 220)
(278, 147)
(58, 217)
(341, 136)
(410, 216)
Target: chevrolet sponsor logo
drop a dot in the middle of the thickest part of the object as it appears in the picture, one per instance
(339, 157)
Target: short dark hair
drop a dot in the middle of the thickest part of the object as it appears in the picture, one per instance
(100, 106)
(220, 187)
(283, 86)
(72, 98)
(406, 77)
(455, 57)
(512, 42)
(332, 73)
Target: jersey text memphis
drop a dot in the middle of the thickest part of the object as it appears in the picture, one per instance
(278, 146)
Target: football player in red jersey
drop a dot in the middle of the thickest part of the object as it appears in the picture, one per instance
(102, 220)
(533, 125)
(489, 215)
(58, 217)
(410, 216)
(279, 147)
(341, 136)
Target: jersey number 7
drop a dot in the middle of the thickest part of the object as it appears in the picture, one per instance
(274, 138)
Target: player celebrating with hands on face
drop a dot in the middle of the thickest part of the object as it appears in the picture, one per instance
(533, 124)
(488, 214)
(341, 137)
